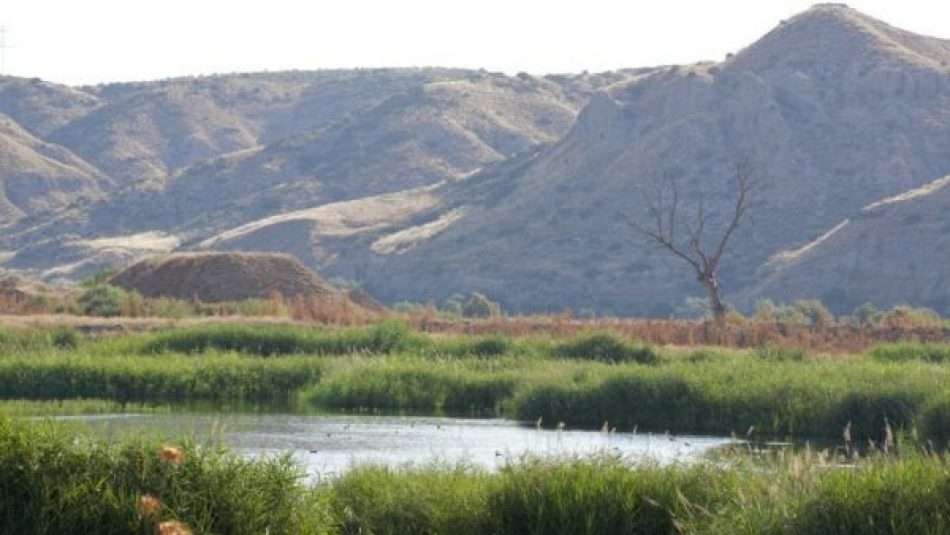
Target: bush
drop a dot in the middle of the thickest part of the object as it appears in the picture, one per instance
(605, 347)
(389, 336)
(102, 300)
(64, 337)
(480, 306)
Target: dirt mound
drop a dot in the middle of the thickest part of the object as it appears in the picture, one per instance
(366, 300)
(216, 277)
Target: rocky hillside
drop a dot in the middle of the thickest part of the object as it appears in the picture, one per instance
(190, 158)
(829, 112)
(890, 252)
(423, 183)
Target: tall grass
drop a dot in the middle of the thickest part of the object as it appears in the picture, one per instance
(605, 347)
(804, 494)
(905, 351)
(582, 382)
(810, 399)
(52, 482)
(269, 340)
(33, 408)
(171, 378)
(55, 480)
(24, 340)
(415, 385)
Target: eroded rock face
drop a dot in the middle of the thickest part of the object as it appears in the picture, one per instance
(891, 252)
(37, 176)
(196, 157)
(829, 112)
(424, 183)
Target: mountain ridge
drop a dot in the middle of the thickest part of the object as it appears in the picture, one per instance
(423, 183)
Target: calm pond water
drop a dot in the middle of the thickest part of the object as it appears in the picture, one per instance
(328, 444)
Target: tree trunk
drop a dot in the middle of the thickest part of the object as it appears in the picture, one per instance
(716, 305)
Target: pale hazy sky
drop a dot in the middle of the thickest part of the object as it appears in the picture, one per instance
(88, 41)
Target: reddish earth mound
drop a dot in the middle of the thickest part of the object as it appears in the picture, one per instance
(217, 277)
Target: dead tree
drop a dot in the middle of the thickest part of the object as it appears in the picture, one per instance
(692, 244)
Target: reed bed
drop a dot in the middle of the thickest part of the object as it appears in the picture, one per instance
(70, 407)
(804, 399)
(909, 351)
(57, 480)
(171, 378)
(54, 481)
(583, 382)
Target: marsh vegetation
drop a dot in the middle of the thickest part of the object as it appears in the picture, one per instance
(884, 414)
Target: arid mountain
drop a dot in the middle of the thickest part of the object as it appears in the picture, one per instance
(152, 130)
(423, 183)
(890, 252)
(829, 112)
(41, 106)
(36, 176)
(194, 157)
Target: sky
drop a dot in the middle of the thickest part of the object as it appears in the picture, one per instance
(96, 41)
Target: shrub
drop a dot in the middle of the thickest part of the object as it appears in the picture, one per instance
(605, 347)
(102, 300)
(389, 336)
(64, 337)
(480, 306)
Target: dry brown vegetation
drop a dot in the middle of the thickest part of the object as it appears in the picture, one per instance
(737, 332)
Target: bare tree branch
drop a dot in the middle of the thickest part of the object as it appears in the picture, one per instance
(696, 254)
(742, 205)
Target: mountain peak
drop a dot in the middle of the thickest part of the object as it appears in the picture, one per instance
(834, 35)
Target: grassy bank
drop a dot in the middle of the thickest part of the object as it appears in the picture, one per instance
(584, 381)
(730, 394)
(169, 378)
(55, 481)
(807, 399)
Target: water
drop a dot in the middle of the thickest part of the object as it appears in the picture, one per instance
(327, 445)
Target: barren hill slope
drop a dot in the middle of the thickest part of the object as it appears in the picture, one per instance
(429, 132)
(421, 183)
(830, 111)
(36, 176)
(891, 252)
(42, 107)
